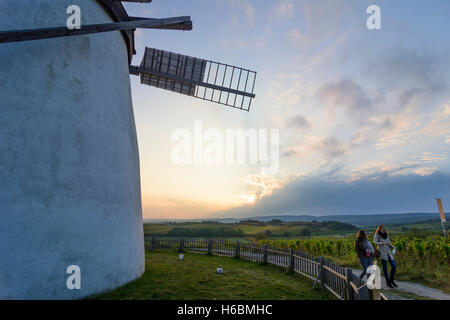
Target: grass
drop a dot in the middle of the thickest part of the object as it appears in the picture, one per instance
(437, 277)
(195, 278)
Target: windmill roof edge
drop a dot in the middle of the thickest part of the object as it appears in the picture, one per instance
(118, 13)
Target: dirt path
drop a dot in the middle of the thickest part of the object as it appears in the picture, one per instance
(409, 287)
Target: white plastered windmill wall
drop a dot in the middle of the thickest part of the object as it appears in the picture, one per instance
(69, 162)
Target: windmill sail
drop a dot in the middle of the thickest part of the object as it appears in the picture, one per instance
(172, 64)
(204, 79)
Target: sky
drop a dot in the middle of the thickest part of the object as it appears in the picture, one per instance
(363, 116)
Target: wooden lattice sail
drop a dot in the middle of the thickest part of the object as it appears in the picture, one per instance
(204, 79)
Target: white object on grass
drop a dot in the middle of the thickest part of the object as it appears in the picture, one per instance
(219, 270)
(373, 277)
(181, 257)
(394, 251)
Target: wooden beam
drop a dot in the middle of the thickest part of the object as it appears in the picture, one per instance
(137, 70)
(134, 71)
(187, 25)
(47, 33)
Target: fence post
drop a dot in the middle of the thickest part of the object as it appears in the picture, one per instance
(322, 272)
(182, 245)
(237, 252)
(374, 294)
(265, 254)
(349, 278)
(363, 294)
(152, 245)
(209, 247)
(291, 261)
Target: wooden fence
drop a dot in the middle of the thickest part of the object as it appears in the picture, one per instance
(339, 281)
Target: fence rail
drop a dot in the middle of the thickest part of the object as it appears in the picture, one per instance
(339, 281)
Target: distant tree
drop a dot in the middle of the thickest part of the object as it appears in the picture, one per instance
(261, 236)
(306, 232)
(275, 221)
(337, 226)
(220, 232)
(252, 222)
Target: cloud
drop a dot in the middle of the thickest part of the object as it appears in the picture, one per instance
(398, 109)
(400, 66)
(332, 149)
(249, 12)
(234, 43)
(286, 90)
(242, 8)
(258, 187)
(319, 22)
(329, 148)
(284, 9)
(410, 79)
(375, 170)
(347, 95)
(296, 37)
(299, 122)
(320, 196)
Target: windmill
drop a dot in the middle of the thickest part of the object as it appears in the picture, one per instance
(69, 166)
(199, 78)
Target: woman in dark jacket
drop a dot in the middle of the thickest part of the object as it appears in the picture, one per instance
(364, 250)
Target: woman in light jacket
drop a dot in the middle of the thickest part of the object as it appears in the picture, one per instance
(382, 241)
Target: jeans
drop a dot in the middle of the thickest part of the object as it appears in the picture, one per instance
(393, 268)
(365, 263)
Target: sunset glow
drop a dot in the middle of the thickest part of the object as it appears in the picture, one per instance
(353, 107)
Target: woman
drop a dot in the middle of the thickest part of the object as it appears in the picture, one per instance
(381, 239)
(364, 250)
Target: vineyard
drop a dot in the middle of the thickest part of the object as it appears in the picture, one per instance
(422, 260)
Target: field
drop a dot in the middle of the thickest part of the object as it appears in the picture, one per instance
(249, 229)
(275, 229)
(167, 278)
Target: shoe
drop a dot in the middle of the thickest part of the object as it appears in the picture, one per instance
(394, 284)
(389, 284)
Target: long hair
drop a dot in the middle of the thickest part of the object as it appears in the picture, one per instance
(361, 235)
(379, 231)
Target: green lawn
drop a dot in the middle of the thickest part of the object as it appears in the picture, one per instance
(167, 278)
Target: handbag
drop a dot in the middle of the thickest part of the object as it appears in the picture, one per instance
(376, 254)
